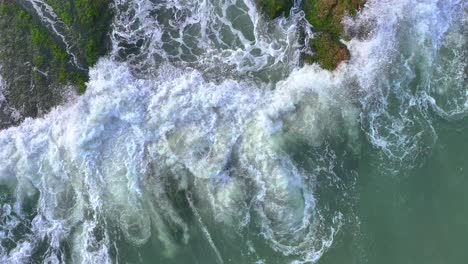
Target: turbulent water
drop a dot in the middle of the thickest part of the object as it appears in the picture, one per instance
(202, 139)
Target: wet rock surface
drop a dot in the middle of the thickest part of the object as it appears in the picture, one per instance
(275, 8)
(43, 59)
(325, 16)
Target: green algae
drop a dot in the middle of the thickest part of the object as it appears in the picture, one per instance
(325, 16)
(329, 52)
(36, 64)
(88, 21)
(275, 8)
(47, 54)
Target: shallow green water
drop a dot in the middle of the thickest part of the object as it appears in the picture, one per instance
(416, 216)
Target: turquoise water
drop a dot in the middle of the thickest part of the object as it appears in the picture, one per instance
(203, 139)
(416, 216)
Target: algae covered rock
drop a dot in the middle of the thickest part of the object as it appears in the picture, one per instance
(325, 16)
(88, 22)
(328, 52)
(37, 66)
(33, 64)
(275, 8)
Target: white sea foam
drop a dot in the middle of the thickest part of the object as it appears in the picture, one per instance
(221, 37)
(109, 155)
(408, 37)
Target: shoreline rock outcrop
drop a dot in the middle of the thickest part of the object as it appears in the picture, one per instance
(325, 16)
(37, 64)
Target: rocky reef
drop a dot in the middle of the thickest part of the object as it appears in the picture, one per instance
(325, 16)
(40, 60)
(275, 8)
(88, 23)
(44, 55)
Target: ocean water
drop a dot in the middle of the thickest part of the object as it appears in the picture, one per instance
(202, 138)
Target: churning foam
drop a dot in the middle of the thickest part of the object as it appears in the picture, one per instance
(221, 38)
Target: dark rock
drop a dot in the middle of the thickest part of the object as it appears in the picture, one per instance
(275, 8)
(36, 66)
